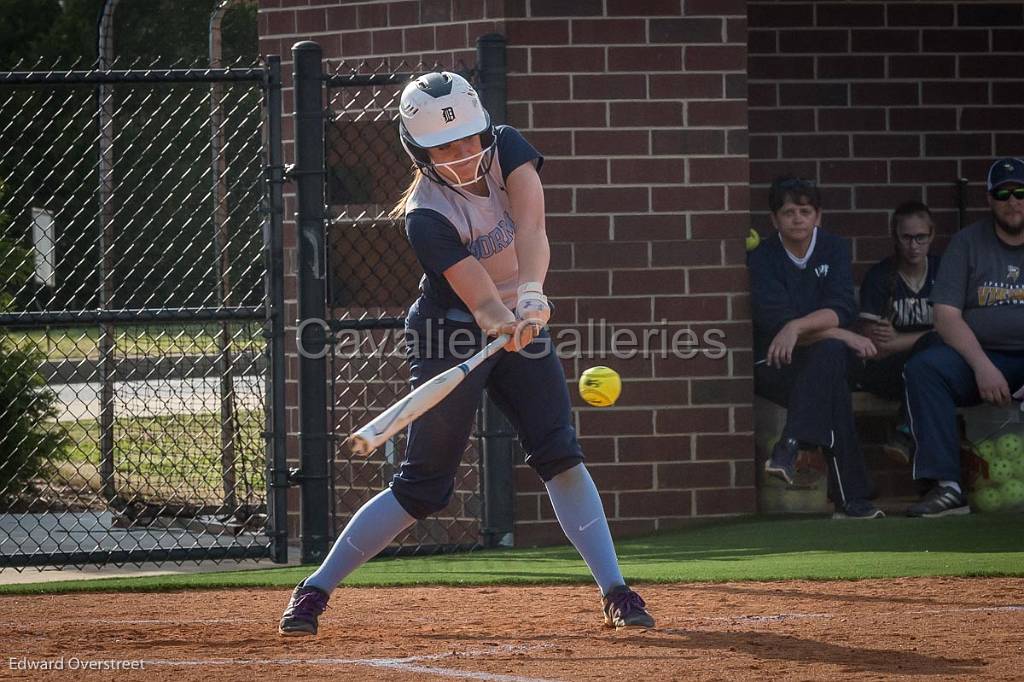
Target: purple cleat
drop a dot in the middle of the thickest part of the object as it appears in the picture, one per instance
(306, 605)
(624, 608)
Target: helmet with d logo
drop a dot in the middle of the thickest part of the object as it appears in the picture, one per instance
(439, 108)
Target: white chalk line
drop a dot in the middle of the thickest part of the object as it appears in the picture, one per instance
(409, 664)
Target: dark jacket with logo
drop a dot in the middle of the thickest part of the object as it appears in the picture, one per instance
(780, 291)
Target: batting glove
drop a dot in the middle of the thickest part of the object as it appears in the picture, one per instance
(532, 305)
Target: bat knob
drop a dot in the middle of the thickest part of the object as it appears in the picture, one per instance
(359, 445)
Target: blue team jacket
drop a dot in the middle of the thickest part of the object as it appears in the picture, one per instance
(780, 291)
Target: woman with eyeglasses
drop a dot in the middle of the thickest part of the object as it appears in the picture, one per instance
(896, 313)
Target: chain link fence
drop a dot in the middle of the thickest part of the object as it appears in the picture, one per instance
(373, 277)
(133, 309)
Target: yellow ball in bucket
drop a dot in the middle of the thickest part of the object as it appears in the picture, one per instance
(600, 386)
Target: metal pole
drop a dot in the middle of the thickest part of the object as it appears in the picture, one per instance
(277, 469)
(105, 115)
(310, 176)
(221, 240)
(497, 455)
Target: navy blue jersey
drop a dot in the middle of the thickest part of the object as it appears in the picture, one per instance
(445, 225)
(780, 291)
(884, 294)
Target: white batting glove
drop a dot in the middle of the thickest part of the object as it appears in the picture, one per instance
(532, 305)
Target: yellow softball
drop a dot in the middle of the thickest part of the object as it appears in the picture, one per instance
(600, 386)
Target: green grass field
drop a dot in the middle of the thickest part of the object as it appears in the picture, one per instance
(151, 340)
(172, 454)
(753, 548)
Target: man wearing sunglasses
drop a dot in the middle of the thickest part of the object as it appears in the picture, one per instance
(978, 300)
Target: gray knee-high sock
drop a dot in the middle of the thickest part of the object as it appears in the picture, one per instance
(581, 515)
(372, 527)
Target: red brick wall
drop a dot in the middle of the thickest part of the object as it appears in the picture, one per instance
(640, 110)
(883, 102)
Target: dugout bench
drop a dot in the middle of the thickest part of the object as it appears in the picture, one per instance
(894, 481)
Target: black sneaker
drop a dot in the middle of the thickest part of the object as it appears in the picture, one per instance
(624, 608)
(899, 447)
(857, 509)
(782, 463)
(940, 501)
(305, 606)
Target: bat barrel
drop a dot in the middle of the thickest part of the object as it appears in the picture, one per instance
(398, 416)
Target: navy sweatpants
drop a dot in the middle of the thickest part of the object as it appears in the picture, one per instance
(938, 380)
(530, 389)
(814, 390)
(884, 377)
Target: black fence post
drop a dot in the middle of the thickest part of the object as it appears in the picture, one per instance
(492, 71)
(277, 460)
(309, 175)
(497, 437)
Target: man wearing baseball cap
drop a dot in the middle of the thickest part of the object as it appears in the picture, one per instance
(978, 299)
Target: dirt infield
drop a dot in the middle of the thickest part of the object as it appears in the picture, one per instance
(879, 629)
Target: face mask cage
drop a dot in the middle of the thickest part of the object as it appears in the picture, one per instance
(423, 162)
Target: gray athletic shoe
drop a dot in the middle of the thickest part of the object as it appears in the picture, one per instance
(940, 501)
(624, 608)
(305, 606)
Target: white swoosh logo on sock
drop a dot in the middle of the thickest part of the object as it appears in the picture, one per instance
(349, 541)
(583, 528)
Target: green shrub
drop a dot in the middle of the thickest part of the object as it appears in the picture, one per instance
(27, 435)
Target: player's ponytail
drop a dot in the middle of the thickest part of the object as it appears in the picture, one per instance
(398, 211)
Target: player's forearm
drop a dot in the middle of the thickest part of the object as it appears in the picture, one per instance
(812, 324)
(901, 342)
(492, 314)
(526, 203)
(532, 252)
(950, 324)
(838, 333)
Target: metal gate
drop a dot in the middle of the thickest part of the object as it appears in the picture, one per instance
(141, 316)
(370, 276)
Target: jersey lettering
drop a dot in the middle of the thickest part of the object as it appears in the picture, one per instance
(912, 312)
(996, 294)
(495, 241)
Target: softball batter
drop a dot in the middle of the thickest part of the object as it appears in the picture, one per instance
(474, 214)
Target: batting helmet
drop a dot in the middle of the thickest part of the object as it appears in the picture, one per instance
(438, 108)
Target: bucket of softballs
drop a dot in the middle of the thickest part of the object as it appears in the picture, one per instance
(995, 460)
